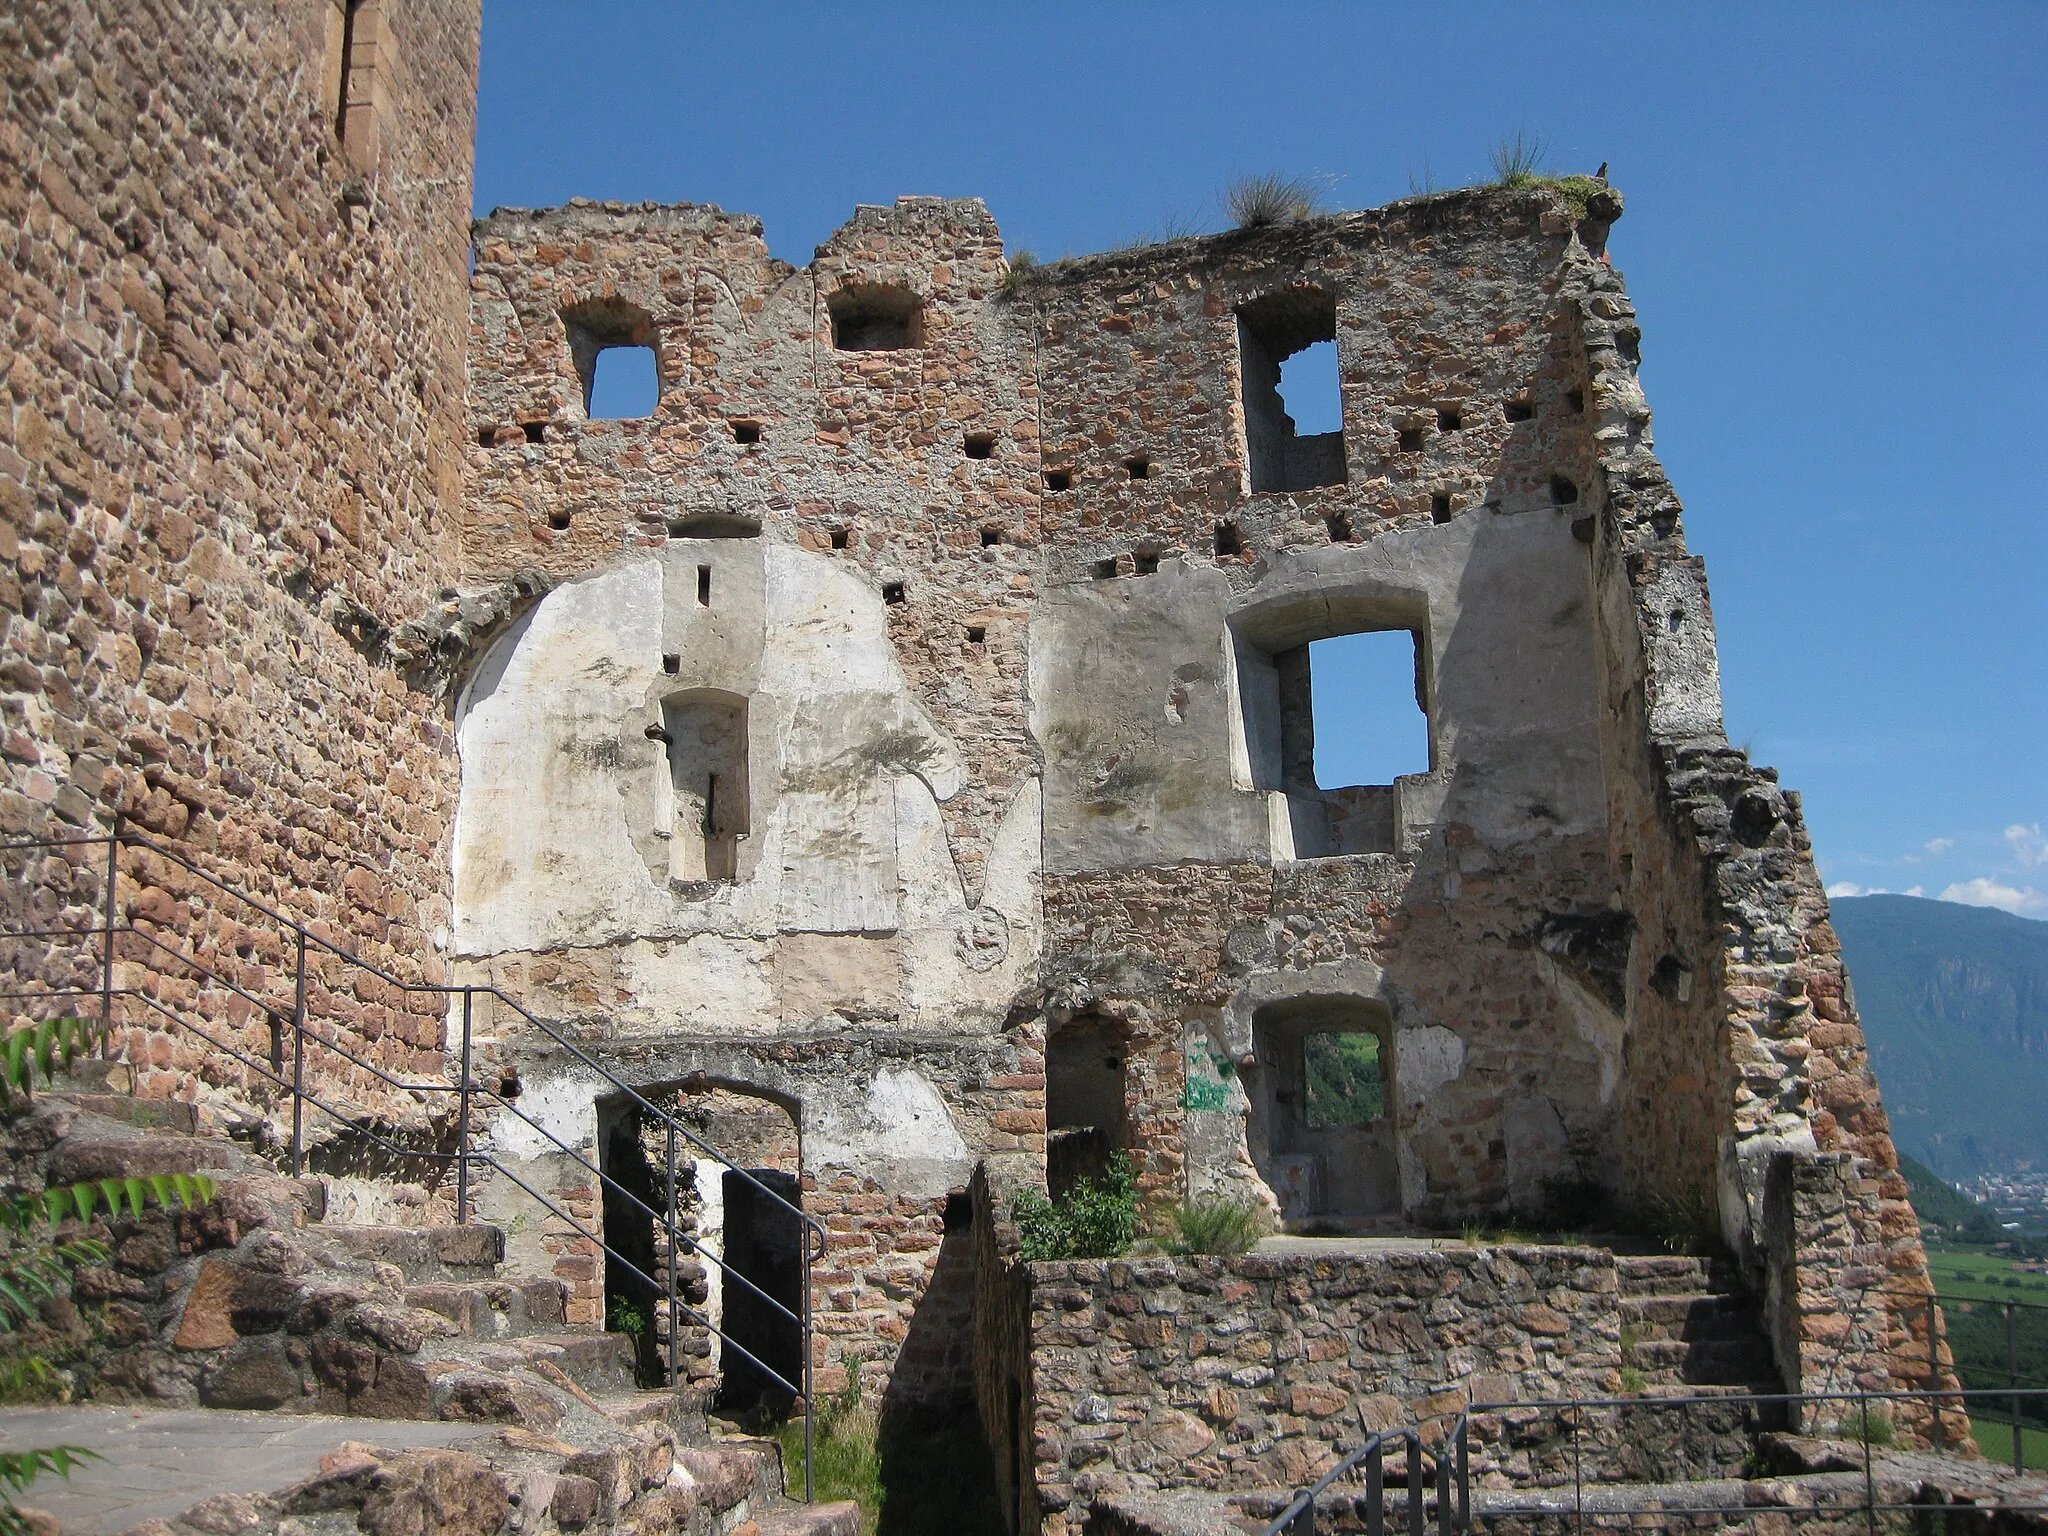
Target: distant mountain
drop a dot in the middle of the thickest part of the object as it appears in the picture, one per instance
(1955, 1005)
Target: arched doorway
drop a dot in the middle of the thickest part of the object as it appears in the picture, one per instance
(740, 1261)
(1323, 1134)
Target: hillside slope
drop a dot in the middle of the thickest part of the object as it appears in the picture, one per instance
(1955, 1004)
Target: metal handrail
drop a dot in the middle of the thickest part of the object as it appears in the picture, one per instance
(814, 1242)
(1299, 1517)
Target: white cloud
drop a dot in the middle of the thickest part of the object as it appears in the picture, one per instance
(2027, 844)
(1851, 888)
(1984, 892)
(1937, 846)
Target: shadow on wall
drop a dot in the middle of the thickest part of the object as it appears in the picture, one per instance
(938, 1477)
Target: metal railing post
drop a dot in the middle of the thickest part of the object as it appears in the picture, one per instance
(674, 1344)
(2012, 1371)
(1464, 1474)
(810, 1367)
(299, 1065)
(1443, 1490)
(1415, 1484)
(1376, 1493)
(462, 1115)
(112, 912)
(1869, 1482)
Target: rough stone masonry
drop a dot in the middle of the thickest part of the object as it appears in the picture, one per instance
(905, 729)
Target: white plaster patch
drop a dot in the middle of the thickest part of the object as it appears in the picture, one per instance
(707, 981)
(900, 1135)
(1424, 1060)
(564, 1107)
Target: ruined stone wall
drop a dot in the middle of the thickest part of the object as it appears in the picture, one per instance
(1183, 893)
(1743, 1041)
(229, 464)
(1248, 1372)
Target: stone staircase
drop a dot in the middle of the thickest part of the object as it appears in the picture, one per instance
(1690, 1322)
(256, 1301)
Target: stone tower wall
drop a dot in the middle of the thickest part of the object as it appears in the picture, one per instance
(230, 463)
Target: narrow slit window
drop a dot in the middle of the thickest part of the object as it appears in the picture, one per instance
(1229, 542)
(1293, 399)
(704, 586)
(1339, 526)
(1440, 507)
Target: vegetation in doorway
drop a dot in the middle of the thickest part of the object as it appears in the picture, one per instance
(1096, 1219)
(911, 1473)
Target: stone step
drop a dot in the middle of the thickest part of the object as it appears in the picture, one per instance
(76, 1160)
(1716, 1362)
(466, 1253)
(1663, 1313)
(1664, 1274)
(495, 1309)
(600, 1364)
(172, 1115)
(837, 1519)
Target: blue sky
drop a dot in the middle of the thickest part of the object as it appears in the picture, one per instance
(1836, 233)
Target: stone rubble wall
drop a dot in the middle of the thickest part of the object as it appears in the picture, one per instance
(230, 464)
(1760, 1055)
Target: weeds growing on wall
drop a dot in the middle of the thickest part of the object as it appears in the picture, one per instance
(1096, 1219)
(1259, 202)
(1213, 1224)
(1517, 162)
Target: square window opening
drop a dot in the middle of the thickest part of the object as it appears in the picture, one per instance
(980, 445)
(1440, 507)
(872, 317)
(991, 537)
(1339, 526)
(1520, 410)
(1293, 399)
(1058, 480)
(977, 634)
(1229, 542)
(1577, 401)
(1562, 491)
(893, 593)
(1345, 1082)
(1103, 570)
(841, 538)
(487, 437)
(746, 433)
(1139, 467)
(1449, 419)
(624, 385)
(1351, 711)
(1410, 439)
(1146, 562)
(558, 520)
(536, 431)
(672, 663)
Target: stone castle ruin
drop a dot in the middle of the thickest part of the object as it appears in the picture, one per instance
(893, 758)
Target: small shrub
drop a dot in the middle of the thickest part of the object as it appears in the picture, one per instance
(1023, 268)
(1259, 202)
(1218, 1224)
(623, 1316)
(1631, 1340)
(1517, 162)
(1633, 1380)
(1097, 1219)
